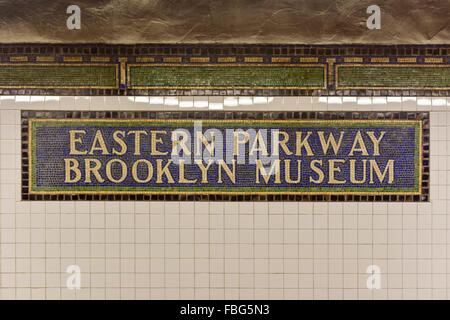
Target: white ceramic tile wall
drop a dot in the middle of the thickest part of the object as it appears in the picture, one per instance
(225, 250)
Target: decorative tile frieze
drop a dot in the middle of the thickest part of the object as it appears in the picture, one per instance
(242, 70)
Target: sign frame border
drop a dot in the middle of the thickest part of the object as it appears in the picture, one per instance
(29, 194)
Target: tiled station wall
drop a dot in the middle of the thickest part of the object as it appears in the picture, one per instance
(224, 250)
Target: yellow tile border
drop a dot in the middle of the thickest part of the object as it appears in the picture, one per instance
(226, 59)
(281, 59)
(200, 59)
(73, 59)
(100, 59)
(18, 59)
(145, 59)
(254, 59)
(172, 59)
(434, 60)
(407, 60)
(378, 59)
(309, 59)
(353, 59)
(45, 59)
(123, 70)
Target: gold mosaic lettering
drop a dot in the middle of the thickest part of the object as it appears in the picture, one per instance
(281, 143)
(317, 170)
(123, 165)
(137, 140)
(332, 140)
(353, 172)
(204, 169)
(123, 146)
(98, 139)
(154, 141)
(74, 140)
(389, 167)
(160, 171)
(181, 143)
(72, 165)
(287, 171)
(303, 143)
(362, 147)
(376, 142)
(182, 178)
(94, 170)
(209, 146)
(135, 167)
(238, 141)
(231, 175)
(332, 169)
(259, 140)
(274, 169)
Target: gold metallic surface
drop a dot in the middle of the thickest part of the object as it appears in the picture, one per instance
(226, 21)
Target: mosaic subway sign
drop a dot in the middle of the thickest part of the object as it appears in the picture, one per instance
(178, 154)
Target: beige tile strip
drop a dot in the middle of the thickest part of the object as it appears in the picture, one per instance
(172, 59)
(145, 59)
(434, 60)
(407, 60)
(354, 59)
(100, 59)
(123, 70)
(19, 59)
(226, 59)
(310, 59)
(377, 59)
(199, 59)
(73, 59)
(253, 59)
(281, 59)
(45, 59)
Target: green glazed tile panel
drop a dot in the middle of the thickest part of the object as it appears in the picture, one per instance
(394, 76)
(227, 76)
(32, 76)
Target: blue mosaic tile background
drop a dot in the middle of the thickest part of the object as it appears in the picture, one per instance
(52, 146)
